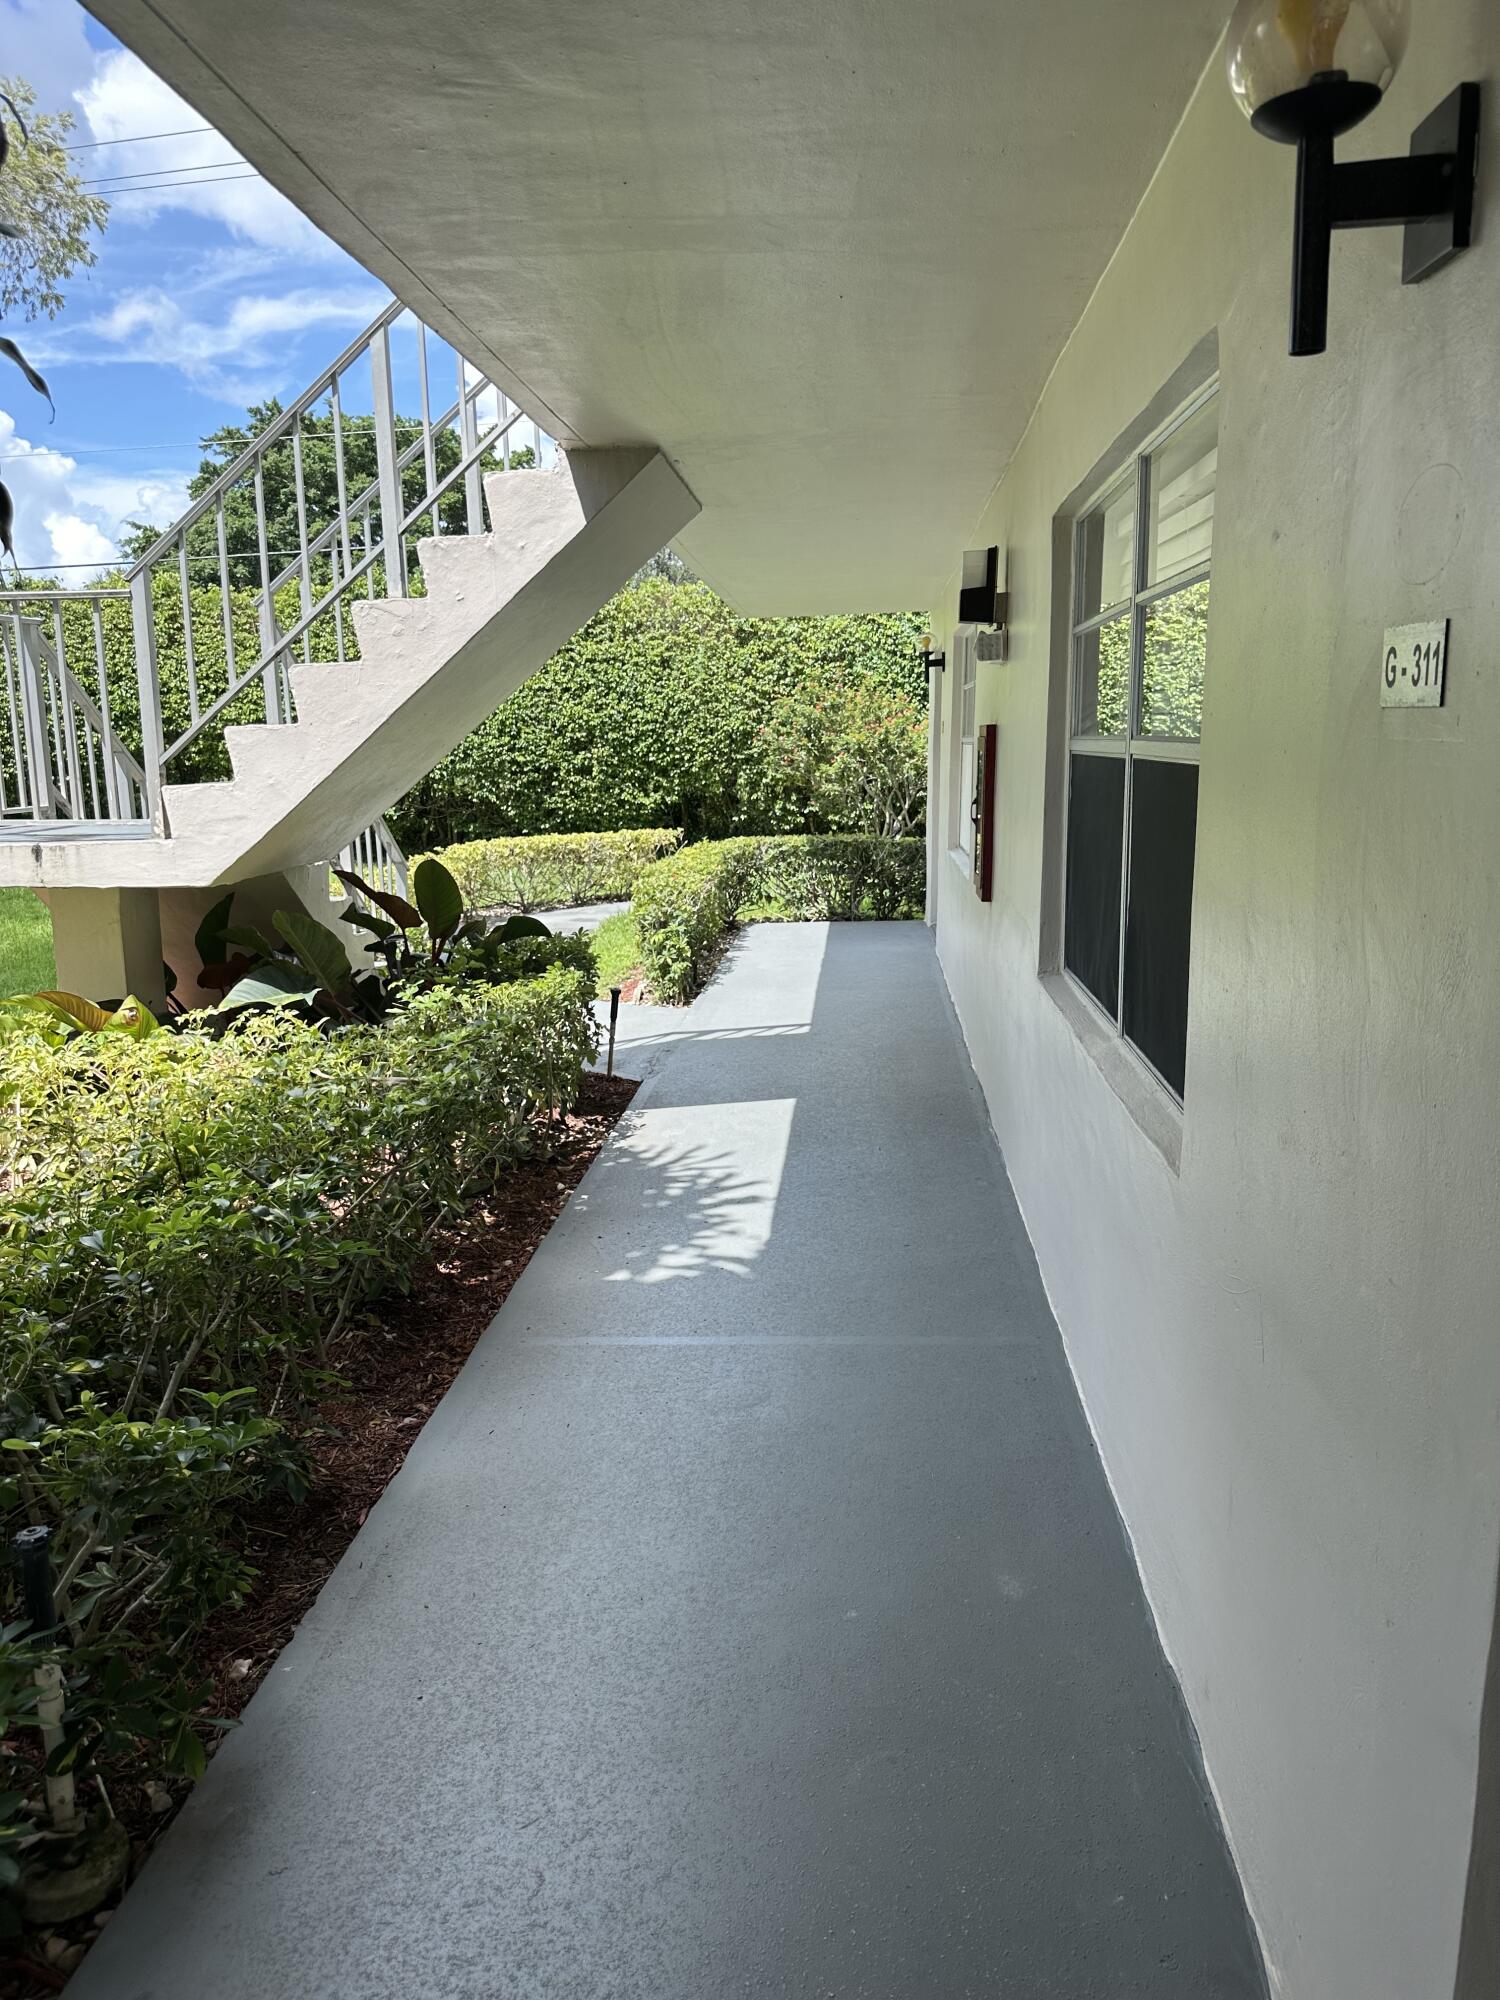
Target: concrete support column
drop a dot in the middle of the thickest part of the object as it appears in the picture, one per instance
(108, 943)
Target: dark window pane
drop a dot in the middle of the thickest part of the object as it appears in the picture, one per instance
(1096, 834)
(1163, 829)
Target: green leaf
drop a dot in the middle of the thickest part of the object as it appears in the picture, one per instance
(317, 949)
(132, 1017)
(438, 896)
(366, 920)
(188, 1755)
(248, 938)
(394, 906)
(38, 382)
(519, 927)
(211, 934)
(274, 985)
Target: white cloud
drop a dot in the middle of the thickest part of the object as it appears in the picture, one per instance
(241, 356)
(66, 514)
(123, 100)
(76, 541)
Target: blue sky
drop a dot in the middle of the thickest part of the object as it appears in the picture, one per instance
(207, 295)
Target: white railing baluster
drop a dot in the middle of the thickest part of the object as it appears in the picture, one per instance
(304, 594)
(34, 714)
(226, 606)
(106, 742)
(429, 454)
(387, 471)
(143, 626)
(468, 444)
(189, 653)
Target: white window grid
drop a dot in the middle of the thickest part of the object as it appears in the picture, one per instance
(1132, 745)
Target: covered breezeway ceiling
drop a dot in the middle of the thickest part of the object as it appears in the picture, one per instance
(822, 252)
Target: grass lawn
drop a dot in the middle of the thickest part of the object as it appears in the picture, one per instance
(617, 946)
(26, 963)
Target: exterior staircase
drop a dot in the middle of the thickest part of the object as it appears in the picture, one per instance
(426, 580)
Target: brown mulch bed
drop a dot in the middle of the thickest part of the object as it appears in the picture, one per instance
(396, 1374)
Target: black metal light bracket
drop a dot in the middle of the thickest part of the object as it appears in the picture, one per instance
(1430, 193)
(976, 599)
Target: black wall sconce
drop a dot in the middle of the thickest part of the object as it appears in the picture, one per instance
(981, 599)
(931, 659)
(1303, 71)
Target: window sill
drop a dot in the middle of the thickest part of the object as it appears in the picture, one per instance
(963, 864)
(1148, 1103)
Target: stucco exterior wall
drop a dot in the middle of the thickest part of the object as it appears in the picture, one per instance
(1287, 1341)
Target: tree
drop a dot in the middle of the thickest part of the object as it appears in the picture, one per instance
(660, 712)
(320, 489)
(852, 753)
(51, 218)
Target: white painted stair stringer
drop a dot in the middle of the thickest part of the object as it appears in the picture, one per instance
(431, 668)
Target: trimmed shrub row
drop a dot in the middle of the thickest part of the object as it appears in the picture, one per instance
(193, 1225)
(551, 871)
(686, 904)
(684, 907)
(839, 877)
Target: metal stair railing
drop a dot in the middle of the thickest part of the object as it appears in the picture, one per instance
(376, 858)
(213, 615)
(365, 543)
(61, 757)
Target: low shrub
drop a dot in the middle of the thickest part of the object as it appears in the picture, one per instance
(840, 877)
(551, 871)
(684, 907)
(686, 904)
(191, 1223)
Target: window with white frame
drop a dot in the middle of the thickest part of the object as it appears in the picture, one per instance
(1140, 631)
(964, 797)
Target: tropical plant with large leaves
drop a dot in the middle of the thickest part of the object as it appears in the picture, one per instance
(411, 945)
(58, 1017)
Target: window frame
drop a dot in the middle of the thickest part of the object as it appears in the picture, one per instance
(1132, 745)
(966, 743)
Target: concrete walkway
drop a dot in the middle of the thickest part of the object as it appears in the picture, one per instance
(752, 1618)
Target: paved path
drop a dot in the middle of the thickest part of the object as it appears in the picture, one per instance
(578, 917)
(752, 1618)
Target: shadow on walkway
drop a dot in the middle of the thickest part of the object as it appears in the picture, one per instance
(752, 1618)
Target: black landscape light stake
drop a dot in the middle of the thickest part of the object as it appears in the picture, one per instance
(1304, 71)
(38, 1594)
(614, 1015)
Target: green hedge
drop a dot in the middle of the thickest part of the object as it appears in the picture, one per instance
(192, 1227)
(659, 713)
(684, 907)
(840, 876)
(686, 904)
(551, 871)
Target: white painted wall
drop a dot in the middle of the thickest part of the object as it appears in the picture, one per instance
(1288, 1346)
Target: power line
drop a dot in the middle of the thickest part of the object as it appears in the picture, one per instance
(195, 167)
(165, 187)
(91, 450)
(136, 138)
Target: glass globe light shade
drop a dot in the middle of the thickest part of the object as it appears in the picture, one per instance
(1302, 66)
